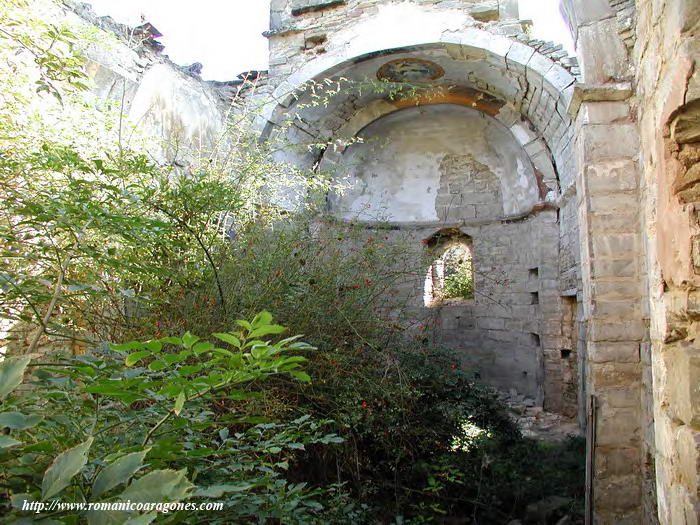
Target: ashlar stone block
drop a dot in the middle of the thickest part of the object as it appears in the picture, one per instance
(617, 428)
(611, 176)
(683, 382)
(601, 67)
(603, 142)
(688, 443)
(614, 375)
(620, 331)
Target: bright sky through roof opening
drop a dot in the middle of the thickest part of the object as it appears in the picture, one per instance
(548, 24)
(226, 36)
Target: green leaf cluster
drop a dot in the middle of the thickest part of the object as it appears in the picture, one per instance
(141, 413)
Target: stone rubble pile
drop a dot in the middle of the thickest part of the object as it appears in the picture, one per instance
(533, 421)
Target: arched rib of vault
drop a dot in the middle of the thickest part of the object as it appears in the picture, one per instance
(540, 90)
(539, 72)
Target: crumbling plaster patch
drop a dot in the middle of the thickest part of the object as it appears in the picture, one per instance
(521, 131)
(399, 163)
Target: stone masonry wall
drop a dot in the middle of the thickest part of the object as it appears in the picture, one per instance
(302, 29)
(612, 265)
(504, 333)
(612, 305)
(668, 90)
(510, 333)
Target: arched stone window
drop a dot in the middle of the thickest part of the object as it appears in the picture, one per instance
(450, 276)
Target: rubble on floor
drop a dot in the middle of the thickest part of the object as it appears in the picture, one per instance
(534, 422)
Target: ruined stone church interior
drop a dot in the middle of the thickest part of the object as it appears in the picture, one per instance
(566, 189)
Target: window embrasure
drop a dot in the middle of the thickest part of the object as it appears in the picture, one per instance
(450, 276)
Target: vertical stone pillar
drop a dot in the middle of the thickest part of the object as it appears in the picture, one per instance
(608, 207)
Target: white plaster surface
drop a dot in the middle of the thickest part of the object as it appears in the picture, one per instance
(177, 109)
(394, 174)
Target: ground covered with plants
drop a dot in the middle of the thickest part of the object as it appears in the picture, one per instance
(173, 337)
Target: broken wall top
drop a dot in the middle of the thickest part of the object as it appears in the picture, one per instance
(310, 25)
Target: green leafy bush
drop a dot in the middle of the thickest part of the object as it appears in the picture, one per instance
(417, 429)
(167, 411)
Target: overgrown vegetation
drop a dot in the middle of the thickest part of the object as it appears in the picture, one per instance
(112, 261)
(460, 282)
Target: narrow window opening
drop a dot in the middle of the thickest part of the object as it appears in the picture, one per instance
(535, 339)
(450, 276)
(534, 298)
(534, 272)
(565, 353)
